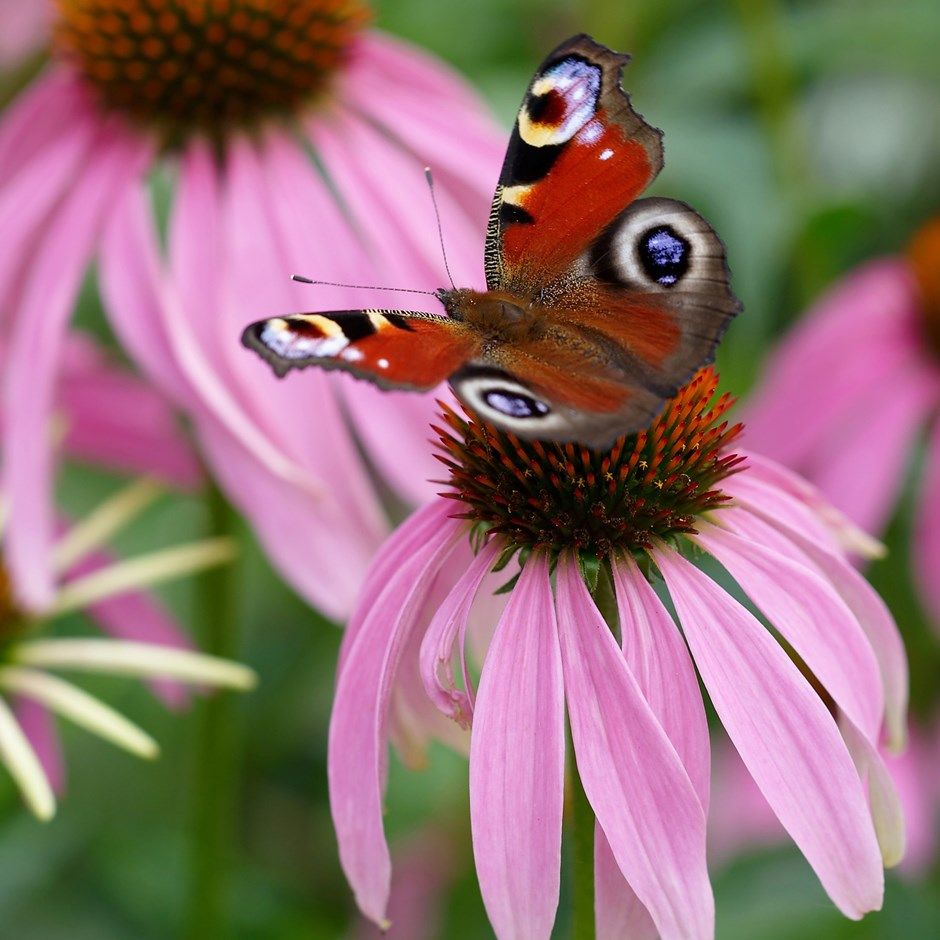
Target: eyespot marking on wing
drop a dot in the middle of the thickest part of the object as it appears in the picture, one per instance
(563, 99)
(664, 254)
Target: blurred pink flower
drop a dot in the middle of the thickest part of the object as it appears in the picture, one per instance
(296, 149)
(424, 866)
(25, 29)
(636, 714)
(740, 820)
(849, 393)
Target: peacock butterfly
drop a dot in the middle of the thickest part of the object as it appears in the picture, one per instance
(598, 307)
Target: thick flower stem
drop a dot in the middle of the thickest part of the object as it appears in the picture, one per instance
(215, 741)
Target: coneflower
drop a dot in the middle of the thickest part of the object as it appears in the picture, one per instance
(195, 153)
(575, 535)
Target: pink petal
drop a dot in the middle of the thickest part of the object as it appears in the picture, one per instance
(25, 29)
(447, 631)
(28, 199)
(633, 778)
(618, 913)
(35, 354)
(415, 720)
(926, 548)
(39, 727)
(393, 428)
(784, 734)
(864, 602)
(357, 738)
(852, 340)
(659, 660)
(309, 540)
(517, 764)
(117, 420)
(811, 617)
(40, 115)
(880, 438)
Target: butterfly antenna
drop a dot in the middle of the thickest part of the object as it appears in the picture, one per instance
(429, 176)
(401, 290)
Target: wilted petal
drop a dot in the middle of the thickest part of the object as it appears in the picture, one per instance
(517, 763)
(358, 742)
(784, 734)
(633, 778)
(446, 632)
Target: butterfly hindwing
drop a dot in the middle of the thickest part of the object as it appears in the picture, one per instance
(392, 348)
(578, 155)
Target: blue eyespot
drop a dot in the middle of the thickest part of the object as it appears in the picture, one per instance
(514, 405)
(664, 255)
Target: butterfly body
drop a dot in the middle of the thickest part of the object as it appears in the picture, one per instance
(598, 306)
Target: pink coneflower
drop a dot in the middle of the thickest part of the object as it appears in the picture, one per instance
(848, 395)
(198, 153)
(590, 528)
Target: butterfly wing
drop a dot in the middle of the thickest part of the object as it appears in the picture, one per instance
(638, 289)
(578, 155)
(391, 348)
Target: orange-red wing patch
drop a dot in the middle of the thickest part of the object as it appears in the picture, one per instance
(393, 348)
(578, 155)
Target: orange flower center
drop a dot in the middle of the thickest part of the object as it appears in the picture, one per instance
(924, 256)
(210, 66)
(651, 485)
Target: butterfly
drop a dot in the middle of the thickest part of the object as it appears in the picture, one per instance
(599, 305)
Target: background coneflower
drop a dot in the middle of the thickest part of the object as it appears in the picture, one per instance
(258, 139)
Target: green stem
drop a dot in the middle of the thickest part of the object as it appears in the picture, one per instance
(215, 773)
(582, 844)
(582, 815)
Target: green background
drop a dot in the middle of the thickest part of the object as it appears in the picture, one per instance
(809, 134)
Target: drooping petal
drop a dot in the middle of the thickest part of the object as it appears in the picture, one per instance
(862, 599)
(618, 913)
(660, 663)
(35, 354)
(358, 742)
(639, 790)
(517, 764)
(784, 734)
(447, 625)
(811, 617)
(926, 548)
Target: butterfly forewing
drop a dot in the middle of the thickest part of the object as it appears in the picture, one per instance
(392, 348)
(577, 156)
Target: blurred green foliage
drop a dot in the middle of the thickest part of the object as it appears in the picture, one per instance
(809, 133)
